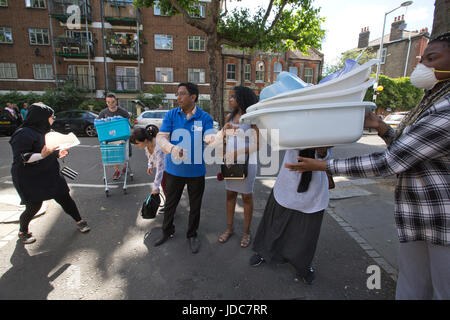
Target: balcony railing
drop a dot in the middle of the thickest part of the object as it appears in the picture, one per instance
(72, 48)
(121, 12)
(59, 9)
(124, 83)
(81, 81)
(122, 52)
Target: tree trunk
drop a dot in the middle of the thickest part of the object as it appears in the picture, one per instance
(441, 21)
(214, 78)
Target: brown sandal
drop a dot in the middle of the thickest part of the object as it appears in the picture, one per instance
(225, 236)
(245, 241)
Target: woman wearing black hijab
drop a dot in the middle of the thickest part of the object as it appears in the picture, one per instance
(35, 170)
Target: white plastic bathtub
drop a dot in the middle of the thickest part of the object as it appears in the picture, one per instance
(316, 125)
(355, 94)
(351, 79)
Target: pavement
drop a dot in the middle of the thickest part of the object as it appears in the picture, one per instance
(117, 260)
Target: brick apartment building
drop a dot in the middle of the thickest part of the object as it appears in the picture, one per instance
(401, 49)
(126, 51)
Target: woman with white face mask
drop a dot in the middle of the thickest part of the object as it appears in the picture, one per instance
(419, 154)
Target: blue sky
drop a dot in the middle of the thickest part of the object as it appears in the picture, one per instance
(345, 18)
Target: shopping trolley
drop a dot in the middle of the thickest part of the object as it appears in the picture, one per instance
(113, 134)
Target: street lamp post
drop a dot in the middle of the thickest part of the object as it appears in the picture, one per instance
(380, 52)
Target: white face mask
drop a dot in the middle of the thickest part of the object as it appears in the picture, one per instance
(423, 77)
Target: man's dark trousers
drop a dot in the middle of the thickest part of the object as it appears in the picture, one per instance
(174, 187)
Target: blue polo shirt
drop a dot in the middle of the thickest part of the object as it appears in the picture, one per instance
(188, 134)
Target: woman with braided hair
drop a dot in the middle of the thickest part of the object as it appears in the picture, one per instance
(419, 154)
(145, 139)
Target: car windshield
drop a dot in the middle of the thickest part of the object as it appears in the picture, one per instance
(154, 115)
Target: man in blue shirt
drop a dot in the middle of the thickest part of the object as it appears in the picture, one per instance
(181, 136)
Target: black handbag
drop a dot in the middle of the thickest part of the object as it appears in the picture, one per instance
(150, 206)
(237, 171)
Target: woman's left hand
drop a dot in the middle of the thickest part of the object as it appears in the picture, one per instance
(63, 153)
(307, 164)
(155, 191)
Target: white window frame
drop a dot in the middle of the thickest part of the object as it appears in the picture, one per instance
(8, 70)
(128, 85)
(292, 69)
(202, 7)
(35, 4)
(383, 55)
(73, 34)
(229, 72)
(162, 73)
(309, 78)
(43, 71)
(157, 10)
(5, 31)
(277, 68)
(248, 72)
(194, 74)
(260, 71)
(200, 41)
(3, 3)
(39, 32)
(159, 38)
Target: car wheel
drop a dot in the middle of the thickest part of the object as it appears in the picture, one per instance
(90, 131)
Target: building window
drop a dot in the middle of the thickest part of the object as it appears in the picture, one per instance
(35, 4)
(247, 72)
(293, 70)
(163, 42)
(39, 36)
(231, 71)
(8, 70)
(309, 75)
(260, 69)
(196, 43)
(78, 35)
(43, 71)
(3, 3)
(164, 74)
(383, 55)
(157, 10)
(277, 68)
(196, 75)
(200, 10)
(126, 78)
(5, 35)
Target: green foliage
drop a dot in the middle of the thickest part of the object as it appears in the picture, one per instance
(398, 94)
(367, 54)
(155, 100)
(97, 105)
(65, 97)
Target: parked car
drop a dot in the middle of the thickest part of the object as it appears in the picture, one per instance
(156, 117)
(149, 117)
(76, 121)
(395, 118)
(7, 123)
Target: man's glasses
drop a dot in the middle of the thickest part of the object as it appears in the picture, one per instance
(182, 94)
(110, 102)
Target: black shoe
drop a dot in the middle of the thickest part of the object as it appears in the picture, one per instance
(26, 238)
(163, 239)
(194, 244)
(256, 260)
(309, 277)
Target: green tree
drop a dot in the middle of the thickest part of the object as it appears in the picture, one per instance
(398, 94)
(284, 24)
(366, 55)
(156, 98)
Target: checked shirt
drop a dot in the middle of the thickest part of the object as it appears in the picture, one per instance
(420, 158)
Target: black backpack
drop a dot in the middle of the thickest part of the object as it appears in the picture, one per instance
(150, 206)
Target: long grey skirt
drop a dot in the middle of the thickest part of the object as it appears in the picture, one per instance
(288, 235)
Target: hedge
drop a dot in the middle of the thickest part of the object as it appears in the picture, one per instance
(398, 94)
